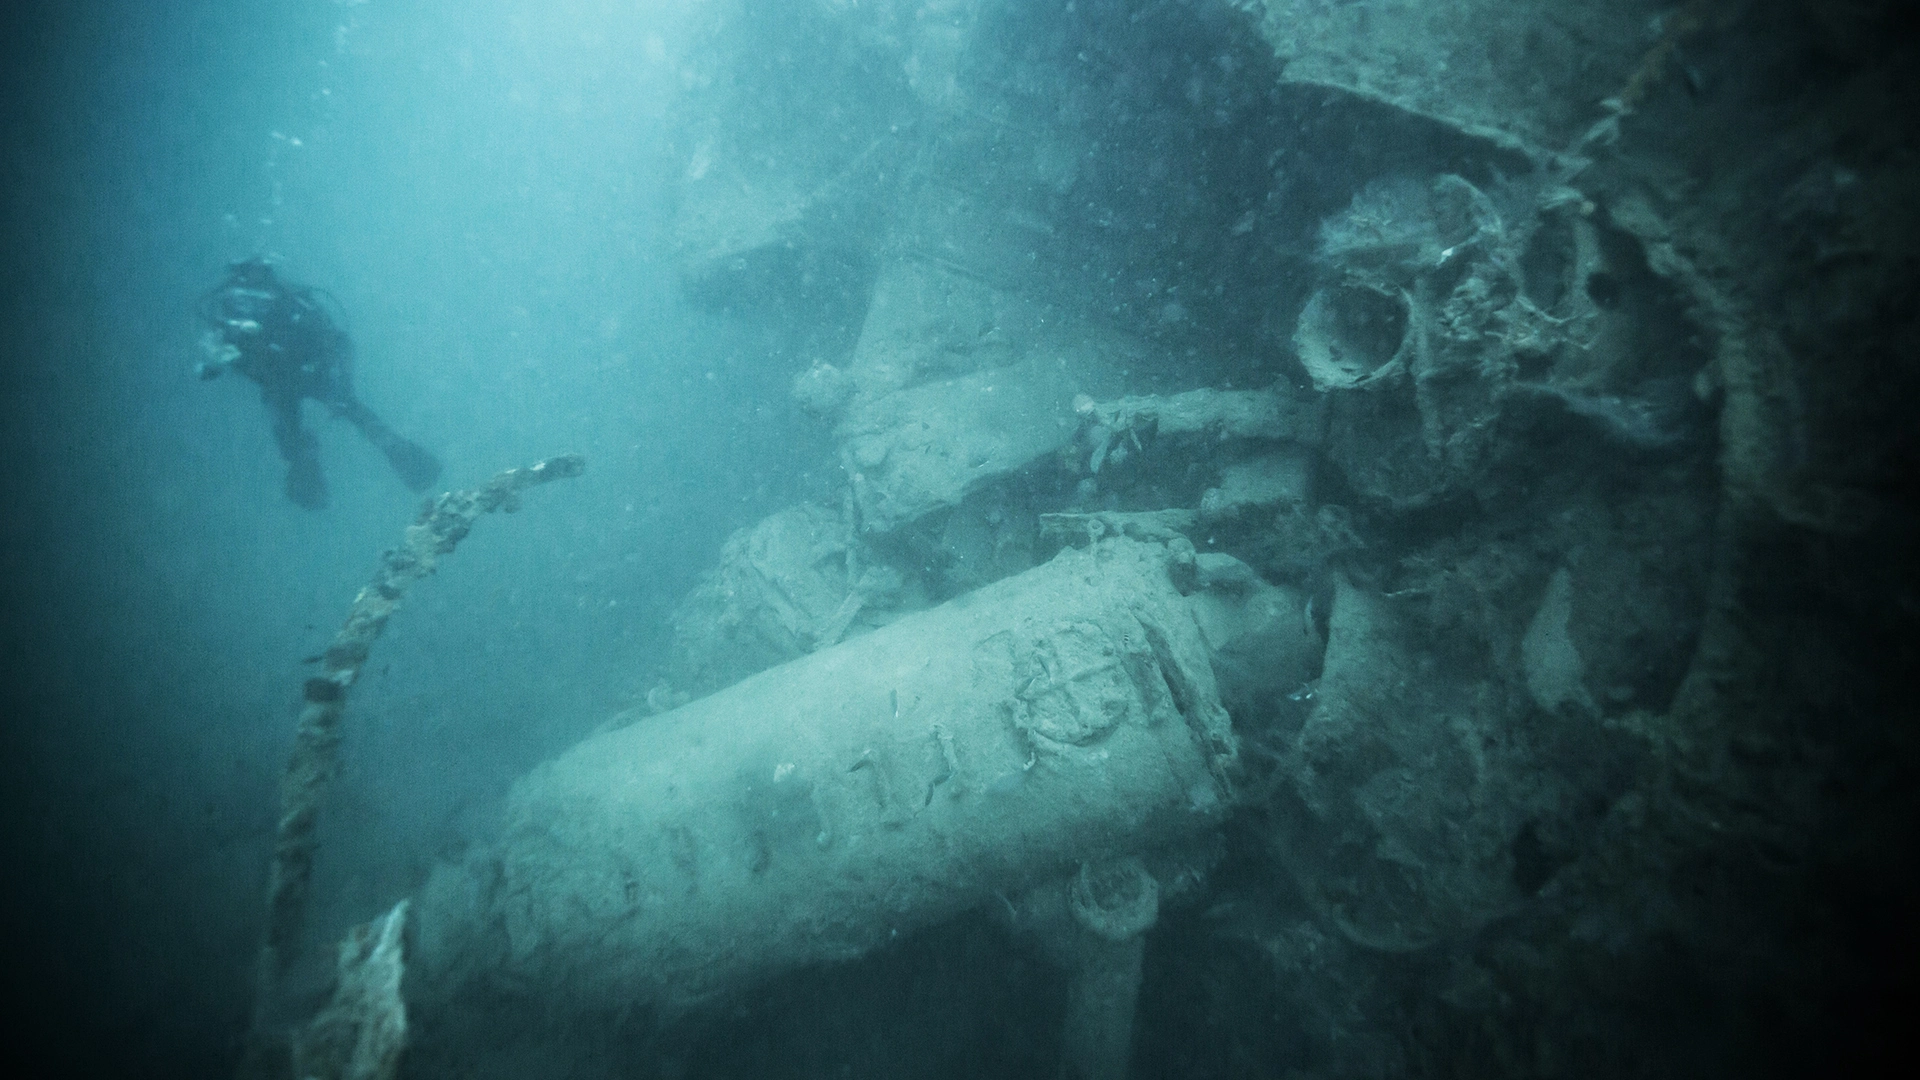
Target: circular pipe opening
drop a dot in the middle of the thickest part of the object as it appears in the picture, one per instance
(1348, 332)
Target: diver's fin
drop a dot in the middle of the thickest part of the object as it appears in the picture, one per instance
(417, 467)
(305, 484)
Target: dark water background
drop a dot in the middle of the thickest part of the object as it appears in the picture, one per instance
(483, 187)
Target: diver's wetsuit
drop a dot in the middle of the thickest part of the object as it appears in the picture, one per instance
(282, 337)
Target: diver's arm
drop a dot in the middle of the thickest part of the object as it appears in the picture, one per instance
(221, 354)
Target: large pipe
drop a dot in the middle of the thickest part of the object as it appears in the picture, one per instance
(1062, 719)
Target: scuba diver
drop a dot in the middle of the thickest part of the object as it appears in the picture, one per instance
(285, 337)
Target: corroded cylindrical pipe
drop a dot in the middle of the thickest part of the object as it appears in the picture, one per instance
(819, 809)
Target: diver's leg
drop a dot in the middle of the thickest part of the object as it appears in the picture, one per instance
(306, 486)
(417, 467)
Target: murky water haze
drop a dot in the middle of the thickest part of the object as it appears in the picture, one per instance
(482, 186)
(1547, 367)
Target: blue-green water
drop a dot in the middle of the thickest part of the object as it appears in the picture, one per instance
(1587, 340)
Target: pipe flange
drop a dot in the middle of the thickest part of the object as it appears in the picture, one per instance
(1117, 899)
